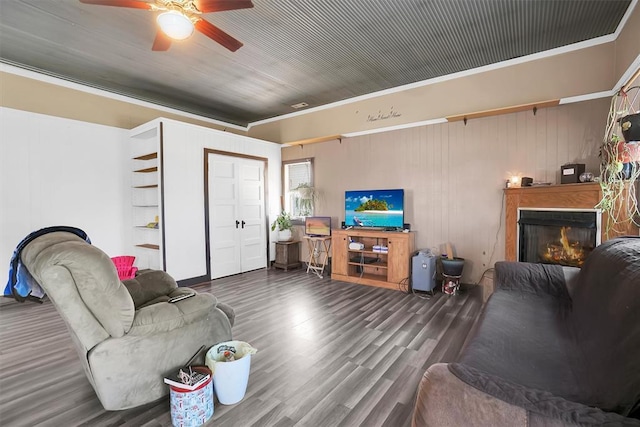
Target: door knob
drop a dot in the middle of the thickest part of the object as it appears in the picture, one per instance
(243, 223)
(237, 223)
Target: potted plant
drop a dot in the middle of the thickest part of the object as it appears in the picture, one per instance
(284, 226)
(620, 163)
(631, 127)
(307, 196)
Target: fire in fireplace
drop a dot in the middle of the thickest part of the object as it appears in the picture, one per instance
(557, 236)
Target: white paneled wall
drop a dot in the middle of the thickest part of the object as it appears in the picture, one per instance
(56, 171)
(453, 175)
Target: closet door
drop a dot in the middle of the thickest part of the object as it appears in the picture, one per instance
(237, 230)
(253, 243)
(224, 240)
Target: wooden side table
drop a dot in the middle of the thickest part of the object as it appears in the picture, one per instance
(287, 255)
(319, 248)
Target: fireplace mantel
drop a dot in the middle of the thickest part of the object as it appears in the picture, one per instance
(562, 196)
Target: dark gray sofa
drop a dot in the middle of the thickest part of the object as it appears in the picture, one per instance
(548, 351)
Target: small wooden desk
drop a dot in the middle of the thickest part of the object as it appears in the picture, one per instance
(318, 253)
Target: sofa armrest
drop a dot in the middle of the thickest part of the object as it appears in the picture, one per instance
(229, 311)
(540, 279)
(543, 408)
(445, 400)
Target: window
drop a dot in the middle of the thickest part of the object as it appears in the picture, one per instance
(298, 174)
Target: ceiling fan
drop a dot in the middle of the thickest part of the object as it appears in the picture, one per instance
(178, 18)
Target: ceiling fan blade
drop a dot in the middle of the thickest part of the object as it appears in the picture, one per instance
(135, 4)
(206, 6)
(162, 42)
(215, 33)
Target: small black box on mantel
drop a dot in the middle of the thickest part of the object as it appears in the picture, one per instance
(570, 174)
(526, 181)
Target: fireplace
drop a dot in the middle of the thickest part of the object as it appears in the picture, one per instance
(557, 236)
(562, 197)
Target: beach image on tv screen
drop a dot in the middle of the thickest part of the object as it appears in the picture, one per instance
(318, 226)
(374, 208)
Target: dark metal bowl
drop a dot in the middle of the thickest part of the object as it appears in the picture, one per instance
(452, 267)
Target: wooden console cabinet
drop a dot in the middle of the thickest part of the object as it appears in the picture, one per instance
(368, 266)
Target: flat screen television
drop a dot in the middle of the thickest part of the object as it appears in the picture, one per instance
(317, 226)
(374, 208)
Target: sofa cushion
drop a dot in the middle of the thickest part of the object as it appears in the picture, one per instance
(165, 317)
(606, 321)
(523, 338)
(150, 286)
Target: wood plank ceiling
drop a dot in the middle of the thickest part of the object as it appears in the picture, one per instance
(294, 51)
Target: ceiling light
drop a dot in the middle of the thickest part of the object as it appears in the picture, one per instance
(175, 25)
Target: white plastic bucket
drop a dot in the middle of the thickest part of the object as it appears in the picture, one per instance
(230, 378)
(230, 382)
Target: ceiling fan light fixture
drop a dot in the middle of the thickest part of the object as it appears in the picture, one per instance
(175, 25)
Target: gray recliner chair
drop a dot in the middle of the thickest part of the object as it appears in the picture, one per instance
(126, 333)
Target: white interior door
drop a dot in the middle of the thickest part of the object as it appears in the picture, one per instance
(253, 239)
(224, 245)
(237, 220)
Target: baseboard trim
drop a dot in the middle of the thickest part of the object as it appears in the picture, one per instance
(193, 281)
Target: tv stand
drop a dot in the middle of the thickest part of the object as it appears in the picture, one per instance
(372, 266)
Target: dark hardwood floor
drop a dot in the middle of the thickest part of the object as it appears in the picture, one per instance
(329, 354)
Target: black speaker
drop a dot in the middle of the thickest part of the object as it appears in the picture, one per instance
(406, 226)
(343, 225)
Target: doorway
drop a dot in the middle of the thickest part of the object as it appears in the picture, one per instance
(236, 213)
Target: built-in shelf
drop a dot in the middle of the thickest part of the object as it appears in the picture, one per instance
(146, 196)
(147, 134)
(373, 264)
(149, 156)
(149, 246)
(147, 170)
(367, 251)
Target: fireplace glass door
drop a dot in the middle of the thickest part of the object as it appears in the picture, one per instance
(557, 237)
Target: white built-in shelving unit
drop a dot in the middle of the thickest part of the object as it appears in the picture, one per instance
(146, 196)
